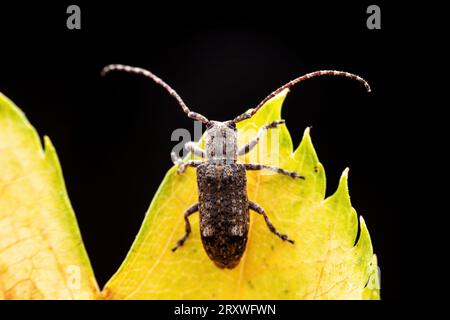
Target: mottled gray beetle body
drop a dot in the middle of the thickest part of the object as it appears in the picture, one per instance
(224, 212)
(222, 182)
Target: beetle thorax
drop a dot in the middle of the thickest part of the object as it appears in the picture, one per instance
(221, 142)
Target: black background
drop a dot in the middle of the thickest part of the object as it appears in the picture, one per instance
(113, 134)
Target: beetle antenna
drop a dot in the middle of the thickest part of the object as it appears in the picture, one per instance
(298, 80)
(156, 79)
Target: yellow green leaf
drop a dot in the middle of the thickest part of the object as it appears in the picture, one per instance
(324, 262)
(41, 252)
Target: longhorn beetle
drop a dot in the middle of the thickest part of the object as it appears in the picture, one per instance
(222, 184)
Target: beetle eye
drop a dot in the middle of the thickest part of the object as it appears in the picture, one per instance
(231, 125)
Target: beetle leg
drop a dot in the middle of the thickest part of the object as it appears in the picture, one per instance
(195, 149)
(182, 165)
(257, 166)
(175, 159)
(255, 207)
(252, 143)
(190, 163)
(192, 209)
